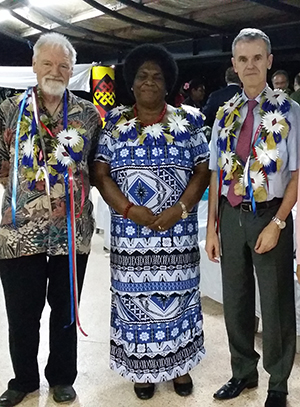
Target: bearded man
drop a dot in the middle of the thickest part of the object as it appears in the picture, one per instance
(47, 142)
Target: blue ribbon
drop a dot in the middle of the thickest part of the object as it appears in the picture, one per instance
(69, 225)
(69, 222)
(16, 160)
(251, 193)
(66, 180)
(65, 119)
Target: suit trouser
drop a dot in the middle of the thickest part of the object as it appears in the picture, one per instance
(27, 281)
(274, 270)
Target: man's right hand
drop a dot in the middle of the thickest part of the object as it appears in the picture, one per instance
(212, 246)
(141, 215)
(4, 169)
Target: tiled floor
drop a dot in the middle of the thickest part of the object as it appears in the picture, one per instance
(98, 386)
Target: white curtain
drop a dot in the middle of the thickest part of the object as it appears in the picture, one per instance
(20, 77)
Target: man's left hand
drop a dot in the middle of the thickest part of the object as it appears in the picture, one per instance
(267, 239)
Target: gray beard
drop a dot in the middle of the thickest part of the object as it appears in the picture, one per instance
(53, 88)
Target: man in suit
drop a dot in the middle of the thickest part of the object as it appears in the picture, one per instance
(219, 97)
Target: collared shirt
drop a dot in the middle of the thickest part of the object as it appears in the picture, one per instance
(287, 148)
(37, 229)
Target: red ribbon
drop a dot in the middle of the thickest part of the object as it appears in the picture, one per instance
(73, 232)
(82, 196)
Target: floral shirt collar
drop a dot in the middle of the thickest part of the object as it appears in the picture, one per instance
(36, 231)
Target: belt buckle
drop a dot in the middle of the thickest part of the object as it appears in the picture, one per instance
(246, 207)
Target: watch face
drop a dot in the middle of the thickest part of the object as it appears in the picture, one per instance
(184, 215)
(282, 224)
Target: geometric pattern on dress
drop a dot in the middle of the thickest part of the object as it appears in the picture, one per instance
(121, 176)
(158, 368)
(142, 320)
(163, 302)
(139, 314)
(155, 286)
(156, 328)
(145, 188)
(186, 282)
(172, 177)
(183, 229)
(141, 191)
(125, 311)
(156, 245)
(159, 274)
(140, 265)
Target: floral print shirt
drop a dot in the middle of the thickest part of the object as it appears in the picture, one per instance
(40, 219)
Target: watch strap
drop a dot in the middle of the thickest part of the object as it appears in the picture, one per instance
(185, 213)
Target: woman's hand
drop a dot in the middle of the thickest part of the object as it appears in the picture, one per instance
(141, 215)
(166, 219)
(298, 273)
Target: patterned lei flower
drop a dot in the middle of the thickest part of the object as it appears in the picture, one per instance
(64, 150)
(177, 127)
(264, 156)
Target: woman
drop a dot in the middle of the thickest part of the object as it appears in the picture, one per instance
(196, 93)
(152, 171)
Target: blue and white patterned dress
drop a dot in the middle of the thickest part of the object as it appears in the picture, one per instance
(156, 318)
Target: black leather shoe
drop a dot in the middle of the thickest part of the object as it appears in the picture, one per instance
(63, 393)
(11, 398)
(276, 399)
(233, 388)
(183, 389)
(144, 392)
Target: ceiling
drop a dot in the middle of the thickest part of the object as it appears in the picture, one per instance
(104, 30)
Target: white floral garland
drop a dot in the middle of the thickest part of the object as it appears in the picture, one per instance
(274, 106)
(176, 129)
(67, 148)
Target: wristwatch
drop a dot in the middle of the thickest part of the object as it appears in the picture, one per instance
(280, 223)
(185, 213)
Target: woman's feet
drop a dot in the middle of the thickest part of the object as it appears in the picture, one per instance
(144, 391)
(183, 385)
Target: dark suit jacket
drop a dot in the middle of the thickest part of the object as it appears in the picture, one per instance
(217, 99)
(296, 96)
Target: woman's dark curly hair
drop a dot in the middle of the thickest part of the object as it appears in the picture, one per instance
(150, 52)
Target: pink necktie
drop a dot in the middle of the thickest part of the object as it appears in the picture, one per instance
(243, 149)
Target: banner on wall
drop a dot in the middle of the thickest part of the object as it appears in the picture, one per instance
(103, 89)
(21, 77)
